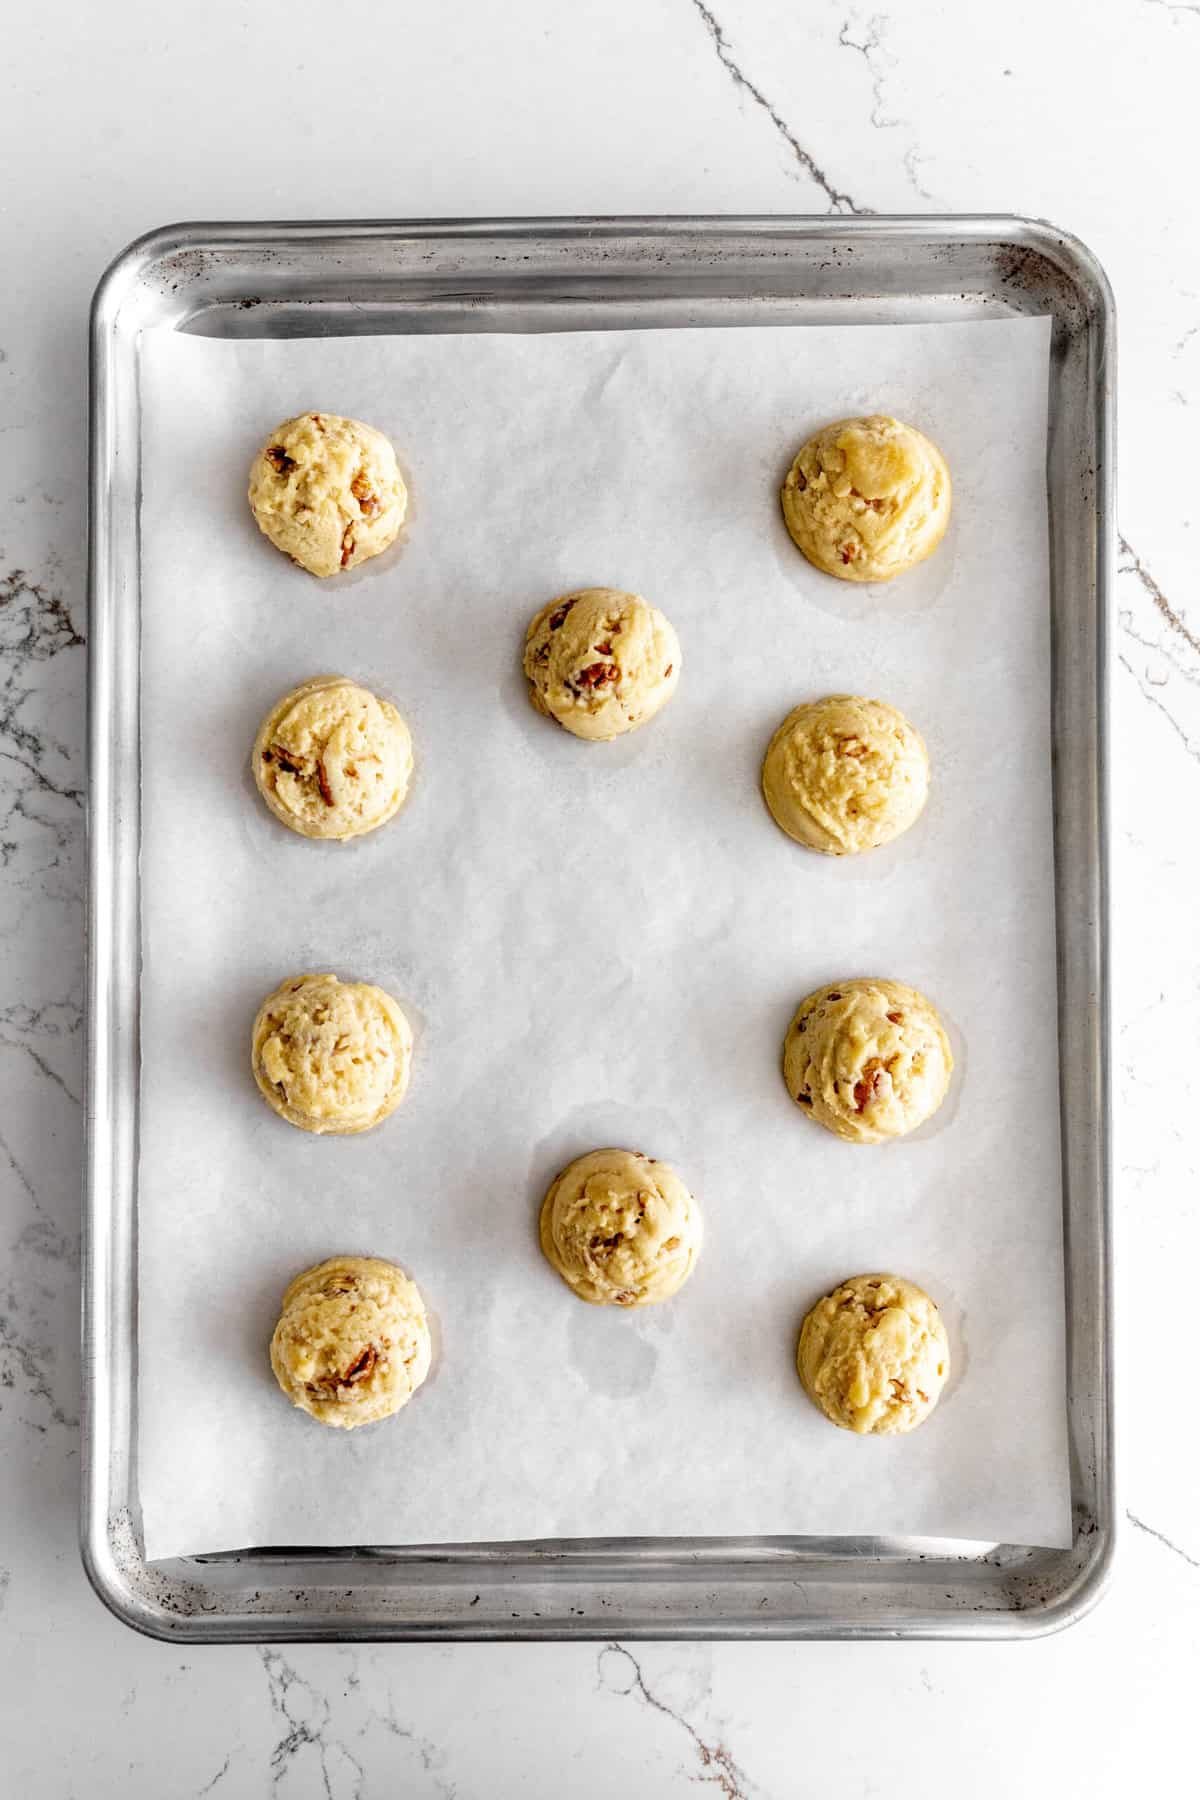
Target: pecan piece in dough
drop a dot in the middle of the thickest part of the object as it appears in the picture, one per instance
(361, 1368)
(866, 1088)
(596, 675)
(368, 501)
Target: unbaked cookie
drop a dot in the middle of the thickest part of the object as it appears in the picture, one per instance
(331, 1056)
(352, 1343)
(601, 662)
(331, 760)
(874, 1355)
(868, 1059)
(844, 774)
(327, 492)
(620, 1228)
(865, 499)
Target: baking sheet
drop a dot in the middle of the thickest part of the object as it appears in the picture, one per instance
(597, 944)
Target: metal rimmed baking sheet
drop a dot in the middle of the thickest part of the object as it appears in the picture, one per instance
(351, 279)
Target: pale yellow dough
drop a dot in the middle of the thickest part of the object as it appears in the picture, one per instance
(331, 1056)
(867, 498)
(331, 760)
(601, 662)
(327, 492)
(868, 1059)
(842, 775)
(874, 1355)
(352, 1343)
(620, 1228)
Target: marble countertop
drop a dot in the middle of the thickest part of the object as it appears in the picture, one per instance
(118, 119)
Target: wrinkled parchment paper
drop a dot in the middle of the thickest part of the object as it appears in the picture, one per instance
(597, 944)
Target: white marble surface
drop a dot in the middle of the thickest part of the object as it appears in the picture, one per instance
(118, 118)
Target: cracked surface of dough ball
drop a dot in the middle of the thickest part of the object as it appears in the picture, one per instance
(601, 662)
(874, 1355)
(332, 760)
(620, 1228)
(843, 774)
(866, 499)
(330, 1055)
(327, 492)
(869, 1059)
(352, 1344)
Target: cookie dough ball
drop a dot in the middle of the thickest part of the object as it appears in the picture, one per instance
(601, 662)
(843, 774)
(352, 1343)
(865, 499)
(874, 1355)
(331, 760)
(330, 1055)
(327, 492)
(620, 1228)
(868, 1059)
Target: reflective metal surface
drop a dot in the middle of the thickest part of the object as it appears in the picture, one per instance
(538, 275)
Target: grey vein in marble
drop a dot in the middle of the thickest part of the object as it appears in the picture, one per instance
(55, 1018)
(341, 1775)
(717, 1767)
(879, 64)
(220, 1775)
(41, 805)
(17, 1354)
(14, 1164)
(1168, 651)
(47, 1240)
(1146, 687)
(428, 1752)
(1141, 1525)
(1133, 564)
(42, 1064)
(37, 625)
(42, 801)
(42, 1235)
(42, 1255)
(1167, 673)
(839, 202)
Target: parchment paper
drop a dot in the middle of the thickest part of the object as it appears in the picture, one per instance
(597, 944)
